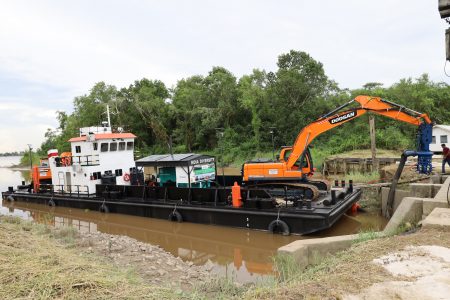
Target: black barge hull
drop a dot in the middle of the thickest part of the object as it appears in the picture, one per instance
(300, 219)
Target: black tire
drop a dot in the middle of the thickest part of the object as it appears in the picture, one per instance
(51, 203)
(104, 208)
(175, 217)
(279, 226)
(10, 198)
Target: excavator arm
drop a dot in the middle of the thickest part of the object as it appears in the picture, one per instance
(338, 117)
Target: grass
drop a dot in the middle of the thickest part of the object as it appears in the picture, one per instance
(37, 264)
(358, 177)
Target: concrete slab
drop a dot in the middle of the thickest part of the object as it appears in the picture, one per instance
(409, 210)
(424, 190)
(438, 218)
(438, 178)
(430, 204)
(442, 193)
(312, 251)
(399, 195)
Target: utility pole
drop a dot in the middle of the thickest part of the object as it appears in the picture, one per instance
(373, 147)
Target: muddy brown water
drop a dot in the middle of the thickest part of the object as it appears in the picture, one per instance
(242, 254)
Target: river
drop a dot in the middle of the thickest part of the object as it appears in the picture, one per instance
(245, 255)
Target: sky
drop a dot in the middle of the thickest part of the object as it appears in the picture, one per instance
(53, 51)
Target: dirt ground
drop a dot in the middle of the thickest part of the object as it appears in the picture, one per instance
(351, 272)
(152, 263)
(427, 266)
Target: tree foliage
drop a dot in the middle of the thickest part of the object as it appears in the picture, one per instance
(246, 109)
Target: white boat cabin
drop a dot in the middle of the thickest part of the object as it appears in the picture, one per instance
(98, 156)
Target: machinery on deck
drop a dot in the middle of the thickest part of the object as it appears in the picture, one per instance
(295, 166)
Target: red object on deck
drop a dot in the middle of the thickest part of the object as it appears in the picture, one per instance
(354, 208)
(236, 195)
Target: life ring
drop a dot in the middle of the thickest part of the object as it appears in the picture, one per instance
(104, 208)
(10, 198)
(279, 226)
(65, 161)
(51, 203)
(126, 177)
(175, 217)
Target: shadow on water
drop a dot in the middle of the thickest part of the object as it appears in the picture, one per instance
(245, 255)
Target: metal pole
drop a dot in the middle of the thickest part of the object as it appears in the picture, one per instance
(272, 131)
(107, 112)
(31, 161)
(220, 134)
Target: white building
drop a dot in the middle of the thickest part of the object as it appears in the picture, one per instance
(441, 134)
(96, 152)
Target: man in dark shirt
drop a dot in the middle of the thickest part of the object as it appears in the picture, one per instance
(445, 157)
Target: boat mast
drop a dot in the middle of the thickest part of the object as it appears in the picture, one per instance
(107, 113)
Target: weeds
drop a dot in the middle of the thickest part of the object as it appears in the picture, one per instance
(359, 177)
(36, 267)
(364, 236)
(286, 267)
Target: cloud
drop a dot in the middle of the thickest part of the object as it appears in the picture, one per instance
(53, 51)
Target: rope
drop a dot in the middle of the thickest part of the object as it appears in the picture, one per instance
(278, 215)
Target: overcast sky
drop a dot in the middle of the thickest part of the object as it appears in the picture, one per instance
(52, 51)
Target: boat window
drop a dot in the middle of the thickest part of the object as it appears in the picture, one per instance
(97, 175)
(95, 146)
(121, 146)
(118, 172)
(130, 145)
(113, 147)
(104, 147)
(444, 139)
(77, 149)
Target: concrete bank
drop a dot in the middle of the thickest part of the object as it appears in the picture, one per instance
(426, 197)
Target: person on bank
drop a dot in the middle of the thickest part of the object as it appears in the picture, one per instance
(445, 157)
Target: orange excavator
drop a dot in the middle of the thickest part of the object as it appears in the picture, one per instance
(295, 167)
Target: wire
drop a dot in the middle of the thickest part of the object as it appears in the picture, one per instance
(445, 67)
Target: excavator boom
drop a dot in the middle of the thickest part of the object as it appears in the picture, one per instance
(295, 166)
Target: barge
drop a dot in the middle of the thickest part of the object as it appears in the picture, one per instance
(102, 175)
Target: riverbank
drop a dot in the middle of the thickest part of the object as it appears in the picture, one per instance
(40, 261)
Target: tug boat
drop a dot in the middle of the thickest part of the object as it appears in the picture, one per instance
(100, 173)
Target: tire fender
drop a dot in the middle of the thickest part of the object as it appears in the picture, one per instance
(51, 203)
(175, 217)
(279, 226)
(10, 198)
(104, 209)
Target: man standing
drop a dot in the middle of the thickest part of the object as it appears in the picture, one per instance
(445, 157)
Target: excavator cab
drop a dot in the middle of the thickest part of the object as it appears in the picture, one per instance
(304, 163)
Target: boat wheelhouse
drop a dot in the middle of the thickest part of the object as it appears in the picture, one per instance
(98, 155)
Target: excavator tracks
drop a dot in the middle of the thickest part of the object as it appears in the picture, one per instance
(280, 189)
(321, 184)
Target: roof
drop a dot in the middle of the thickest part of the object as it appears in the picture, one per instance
(104, 136)
(167, 160)
(445, 127)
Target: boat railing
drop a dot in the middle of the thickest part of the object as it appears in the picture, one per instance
(86, 160)
(65, 189)
(81, 160)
